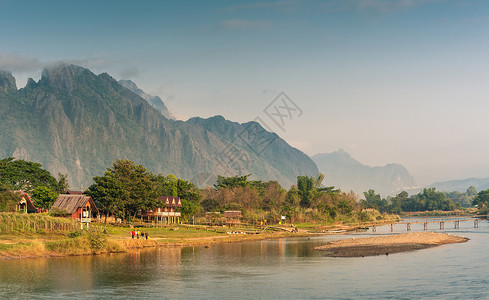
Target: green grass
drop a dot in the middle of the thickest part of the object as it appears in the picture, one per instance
(160, 232)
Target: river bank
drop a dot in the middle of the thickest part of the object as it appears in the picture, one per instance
(102, 239)
(31, 246)
(388, 244)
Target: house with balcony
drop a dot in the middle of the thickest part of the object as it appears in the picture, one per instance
(81, 208)
(167, 214)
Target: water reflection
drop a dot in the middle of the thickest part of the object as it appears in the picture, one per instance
(281, 268)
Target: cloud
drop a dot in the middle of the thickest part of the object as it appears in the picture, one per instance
(244, 24)
(382, 6)
(391, 6)
(98, 62)
(129, 72)
(16, 63)
(287, 5)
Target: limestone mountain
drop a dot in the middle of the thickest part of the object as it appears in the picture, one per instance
(154, 101)
(77, 123)
(7, 82)
(347, 173)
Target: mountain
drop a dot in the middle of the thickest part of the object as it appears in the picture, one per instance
(77, 123)
(7, 82)
(462, 185)
(347, 173)
(154, 101)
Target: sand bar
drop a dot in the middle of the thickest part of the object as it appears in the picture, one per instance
(388, 244)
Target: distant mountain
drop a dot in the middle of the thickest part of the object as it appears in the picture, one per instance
(345, 172)
(77, 123)
(462, 185)
(154, 101)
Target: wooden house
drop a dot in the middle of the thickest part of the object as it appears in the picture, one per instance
(25, 203)
(167, 214)
(81, 208)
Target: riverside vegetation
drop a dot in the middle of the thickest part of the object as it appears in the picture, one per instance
(126, 189)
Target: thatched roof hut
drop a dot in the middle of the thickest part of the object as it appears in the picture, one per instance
(80, 207)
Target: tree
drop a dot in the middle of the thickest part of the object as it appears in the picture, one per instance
(471, 191)
(43, 197)
(305, 185)
(373, 200)
(190, 208)
(8, 199)
(63, 185)
(482, 199)
(126, 189)
(227, 182)
(397, 202)
(25, 175)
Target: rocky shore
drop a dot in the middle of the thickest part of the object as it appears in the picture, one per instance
(388, 244)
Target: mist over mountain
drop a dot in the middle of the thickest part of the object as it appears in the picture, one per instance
(461, 185)
(345, 172)
(77, 123)
(154, 101)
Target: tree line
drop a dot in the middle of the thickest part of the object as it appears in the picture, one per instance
(429, 199)
(126, 189)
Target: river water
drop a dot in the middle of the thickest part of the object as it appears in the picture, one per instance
(271, 269)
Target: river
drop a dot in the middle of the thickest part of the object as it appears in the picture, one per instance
(271, 269)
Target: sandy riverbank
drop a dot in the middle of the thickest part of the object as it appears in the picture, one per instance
(388, 244)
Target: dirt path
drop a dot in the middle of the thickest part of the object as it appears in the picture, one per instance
(388, 244)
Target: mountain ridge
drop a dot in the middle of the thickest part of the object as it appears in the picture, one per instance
(75, 122)
(347, 173)
(154, 101)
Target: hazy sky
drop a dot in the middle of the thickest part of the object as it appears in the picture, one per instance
(403, 81)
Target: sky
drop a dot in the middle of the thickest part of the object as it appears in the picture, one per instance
(400, 81)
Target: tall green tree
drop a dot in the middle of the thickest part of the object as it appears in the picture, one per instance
(306, 186)
(25, 175)
(125, 189)
(43, 197)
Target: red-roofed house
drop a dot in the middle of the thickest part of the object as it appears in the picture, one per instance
(25, 203)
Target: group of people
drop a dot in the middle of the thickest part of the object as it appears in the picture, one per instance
(138, 234)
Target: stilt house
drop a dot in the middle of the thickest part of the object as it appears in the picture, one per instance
(167, 214)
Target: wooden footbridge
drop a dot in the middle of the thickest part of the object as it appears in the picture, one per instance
(440, 222)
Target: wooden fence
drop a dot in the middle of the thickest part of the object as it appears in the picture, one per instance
(34, 223)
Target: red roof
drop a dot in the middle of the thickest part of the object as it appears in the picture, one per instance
(24, 195)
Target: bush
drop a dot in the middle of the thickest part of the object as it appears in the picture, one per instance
(96, 238)
(74, 234)
(56, 212)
